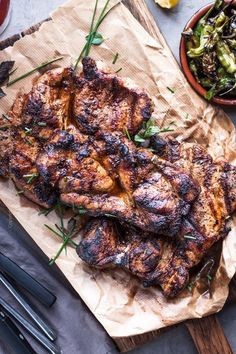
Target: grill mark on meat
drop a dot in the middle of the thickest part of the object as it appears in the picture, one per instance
(104, 102)
(106, 173)
(105, 243)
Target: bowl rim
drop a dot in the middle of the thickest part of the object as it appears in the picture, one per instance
(184, 60)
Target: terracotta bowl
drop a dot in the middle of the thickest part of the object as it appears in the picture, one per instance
(184, 62)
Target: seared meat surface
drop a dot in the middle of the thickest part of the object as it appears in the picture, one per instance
(32, 120)
(66, 139)
(108, 174)
(206, 221)
(104, 102)
(105, 243)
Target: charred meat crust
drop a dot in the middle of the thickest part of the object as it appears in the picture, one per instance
(132, 189)
(103, 246)
(65, 139)
(103, 101)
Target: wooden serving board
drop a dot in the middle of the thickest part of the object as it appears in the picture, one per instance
(207, 332)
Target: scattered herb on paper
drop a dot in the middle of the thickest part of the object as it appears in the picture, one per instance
(46, 212)
(117, 71)
(115, 58)
(33, 71)
(64, 234)
(66, 240)
(13, 71)
(187, 116)
(19, 192)
(170, 89)
(94, 37)
(6, 117)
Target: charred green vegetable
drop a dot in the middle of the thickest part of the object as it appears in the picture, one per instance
(211, 49)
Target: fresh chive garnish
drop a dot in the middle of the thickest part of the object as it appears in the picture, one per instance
(153, 160)
(71, 242)
(189, 236)
(209, 277)
(33, 71)
(47, 211)
(28, 130)
(127, 133)
(149, 129)
(86, 48)
(19, 192)
(190, 287)
(42, 124)
(170, 89)
(30, 177)
(63, 234)
(115, 58)
(91, 28)
(12, 72)
(117, 71)
(63, 246)
(6, 117)
(81, 211)
(94, 37)
(29, 142)
(187, 116)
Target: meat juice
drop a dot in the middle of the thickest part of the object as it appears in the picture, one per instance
(4, 14)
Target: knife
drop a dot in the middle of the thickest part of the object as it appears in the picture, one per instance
(25, 280)
(10, 334)
(28, 308)
(29, 327)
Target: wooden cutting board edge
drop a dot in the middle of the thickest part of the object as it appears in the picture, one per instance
(206, 333)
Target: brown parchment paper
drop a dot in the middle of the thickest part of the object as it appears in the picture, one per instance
(116, 298)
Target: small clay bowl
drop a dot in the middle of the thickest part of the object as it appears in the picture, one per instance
(184, 61)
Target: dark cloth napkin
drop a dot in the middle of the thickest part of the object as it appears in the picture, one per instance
(78, 331)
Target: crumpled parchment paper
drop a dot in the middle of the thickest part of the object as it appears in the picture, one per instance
(117, 299)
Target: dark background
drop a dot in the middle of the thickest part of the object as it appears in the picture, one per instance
(78, 331)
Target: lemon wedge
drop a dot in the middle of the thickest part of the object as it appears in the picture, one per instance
(168, 4)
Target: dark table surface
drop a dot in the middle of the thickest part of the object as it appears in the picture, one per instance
(78, 331)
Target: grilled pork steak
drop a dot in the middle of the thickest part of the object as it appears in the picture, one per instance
(105, 243)
(105, 102)
(118, 179)
(32, 120)
(66, 139)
